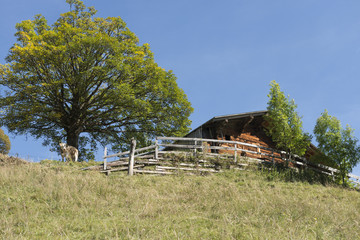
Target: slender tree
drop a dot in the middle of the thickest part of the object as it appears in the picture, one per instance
(337, 144)
(87, 79)
(284, 123)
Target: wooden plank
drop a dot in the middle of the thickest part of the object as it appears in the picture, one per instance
(144, 148)
(128, 152)
(116, 164)
(187, 169)
(235, 153)
(141, 155)
(353, 176)
(180, 146)
(203, 165)
(151, 160)
(152, 172)
(144, 154)
(211, 140)
(195, 148)
(194, 165)
(175, 152)
(156, 148)
(117, 169)
(105, 153)
(118, 154)
(221, 148)
(131, 157)
(121, 169)
(147, 163)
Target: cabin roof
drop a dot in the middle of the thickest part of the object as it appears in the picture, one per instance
(231, 116)
(238, 116)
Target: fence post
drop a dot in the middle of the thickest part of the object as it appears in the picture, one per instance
(273, 160)
(204, 149)
(156, 149)
(131, 157)
(235, 153)
(105, 153)
(195, 148)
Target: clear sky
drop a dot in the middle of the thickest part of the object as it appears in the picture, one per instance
(225, 53)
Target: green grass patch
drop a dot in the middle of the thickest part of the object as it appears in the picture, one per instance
(54, 200)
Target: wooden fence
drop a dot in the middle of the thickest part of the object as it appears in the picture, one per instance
(152, 155)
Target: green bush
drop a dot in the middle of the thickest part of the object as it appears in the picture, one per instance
(4, 143)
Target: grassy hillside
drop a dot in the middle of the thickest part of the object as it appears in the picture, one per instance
(57, 201)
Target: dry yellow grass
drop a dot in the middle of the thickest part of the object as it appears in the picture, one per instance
(57, 201)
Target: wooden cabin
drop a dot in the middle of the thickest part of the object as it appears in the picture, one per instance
(244, 127)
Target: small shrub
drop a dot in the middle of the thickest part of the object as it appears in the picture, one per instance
(296, 175)
(221, 162)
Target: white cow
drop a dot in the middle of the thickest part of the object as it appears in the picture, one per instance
(68, 152)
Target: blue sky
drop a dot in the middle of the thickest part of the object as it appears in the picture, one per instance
(225, 53)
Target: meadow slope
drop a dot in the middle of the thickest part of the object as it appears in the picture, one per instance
(58, 201)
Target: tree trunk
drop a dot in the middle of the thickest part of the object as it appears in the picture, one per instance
(72, 139)
(288, 161)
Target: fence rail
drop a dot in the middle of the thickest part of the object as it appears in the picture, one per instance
(232, 149)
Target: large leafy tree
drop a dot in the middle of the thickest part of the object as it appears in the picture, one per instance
(337, 144)
(87, 78)
(284, 123)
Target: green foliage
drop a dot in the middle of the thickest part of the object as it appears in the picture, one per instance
(143, 139)
(338, 145)
(321, 158)
(87, 76)
(284, 123)
(4, 143)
